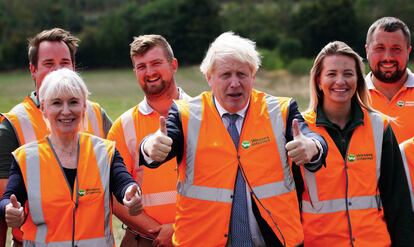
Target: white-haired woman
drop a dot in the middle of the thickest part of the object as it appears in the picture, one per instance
(361, 198)
(59, 189)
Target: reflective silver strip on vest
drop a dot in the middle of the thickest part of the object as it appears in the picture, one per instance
(93, 120)
(205, 193)
(160, 198)
(130, 138)
(193, 131)
(357, 202)
(104, 165)
(23, 116)
(94, 242)
(190, 190)
(278, 127)
(378, 131)
(407, 172)
(338, 205)
(34, 194)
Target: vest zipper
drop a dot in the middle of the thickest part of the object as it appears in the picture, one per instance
(347, 203)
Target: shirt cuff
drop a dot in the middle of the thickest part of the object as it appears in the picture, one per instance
(315, 162)
(147, 159)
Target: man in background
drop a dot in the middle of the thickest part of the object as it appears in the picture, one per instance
(390, 82)
(154, 66)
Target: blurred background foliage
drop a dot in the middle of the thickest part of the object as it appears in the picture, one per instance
(288, 33)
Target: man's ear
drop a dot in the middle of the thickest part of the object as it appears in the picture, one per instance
(32, 69)
(174, 64)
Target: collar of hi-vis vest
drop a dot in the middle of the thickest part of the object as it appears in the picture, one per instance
(222, 111)
(408, 83)
(145, 109)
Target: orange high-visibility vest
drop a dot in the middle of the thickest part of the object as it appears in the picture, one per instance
(55, 210)
(400, 107)
(29, 125)
(341, 203)
(407, 153)
(158, 185)
(208, 171)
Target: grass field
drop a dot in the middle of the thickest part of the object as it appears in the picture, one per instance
(117, 91)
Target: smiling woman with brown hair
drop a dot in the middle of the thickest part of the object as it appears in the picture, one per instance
(65, 180)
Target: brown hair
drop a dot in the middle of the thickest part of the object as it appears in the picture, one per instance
(331, 49)
(143, 43)
(55, 34)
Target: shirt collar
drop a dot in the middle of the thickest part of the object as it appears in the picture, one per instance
(145, 109)
(408, 83)
(222, 111)
(34, 98)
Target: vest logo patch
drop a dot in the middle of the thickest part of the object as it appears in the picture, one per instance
(402, 103)
(357, 157)
(84, 192)
(255, 141)
(351, 157)
(245, 144)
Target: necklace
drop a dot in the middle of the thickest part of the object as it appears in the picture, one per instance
(67, 151)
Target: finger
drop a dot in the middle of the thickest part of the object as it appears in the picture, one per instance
(162, 148)
(291, 145)
(163, 125)
(166, 141)
(131, 192)
(155, 230)
(14, 202)
(295, 128)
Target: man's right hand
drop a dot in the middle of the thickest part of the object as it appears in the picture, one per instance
(14, 213)
(164, 235)
(158, 145)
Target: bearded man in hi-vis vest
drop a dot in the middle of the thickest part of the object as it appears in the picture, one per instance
(154, 66)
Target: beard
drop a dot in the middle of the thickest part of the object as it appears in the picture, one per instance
(153, 89)
(388, 77)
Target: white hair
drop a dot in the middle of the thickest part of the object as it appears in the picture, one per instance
(230, 45)
(63, 82)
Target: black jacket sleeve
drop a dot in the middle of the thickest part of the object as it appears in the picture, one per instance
(15, 186)
(8, 143)
(120, 178)
(394, 193)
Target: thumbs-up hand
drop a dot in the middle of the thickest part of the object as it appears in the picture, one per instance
(14, 213)
(301, 149)
(132, 200)
(158, 145)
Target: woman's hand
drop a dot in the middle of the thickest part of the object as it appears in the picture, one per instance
(14, 213)
(132, 200)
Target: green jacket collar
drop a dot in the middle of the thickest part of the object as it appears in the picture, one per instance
(357, 117)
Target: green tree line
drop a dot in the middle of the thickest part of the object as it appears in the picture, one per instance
(285, 31)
